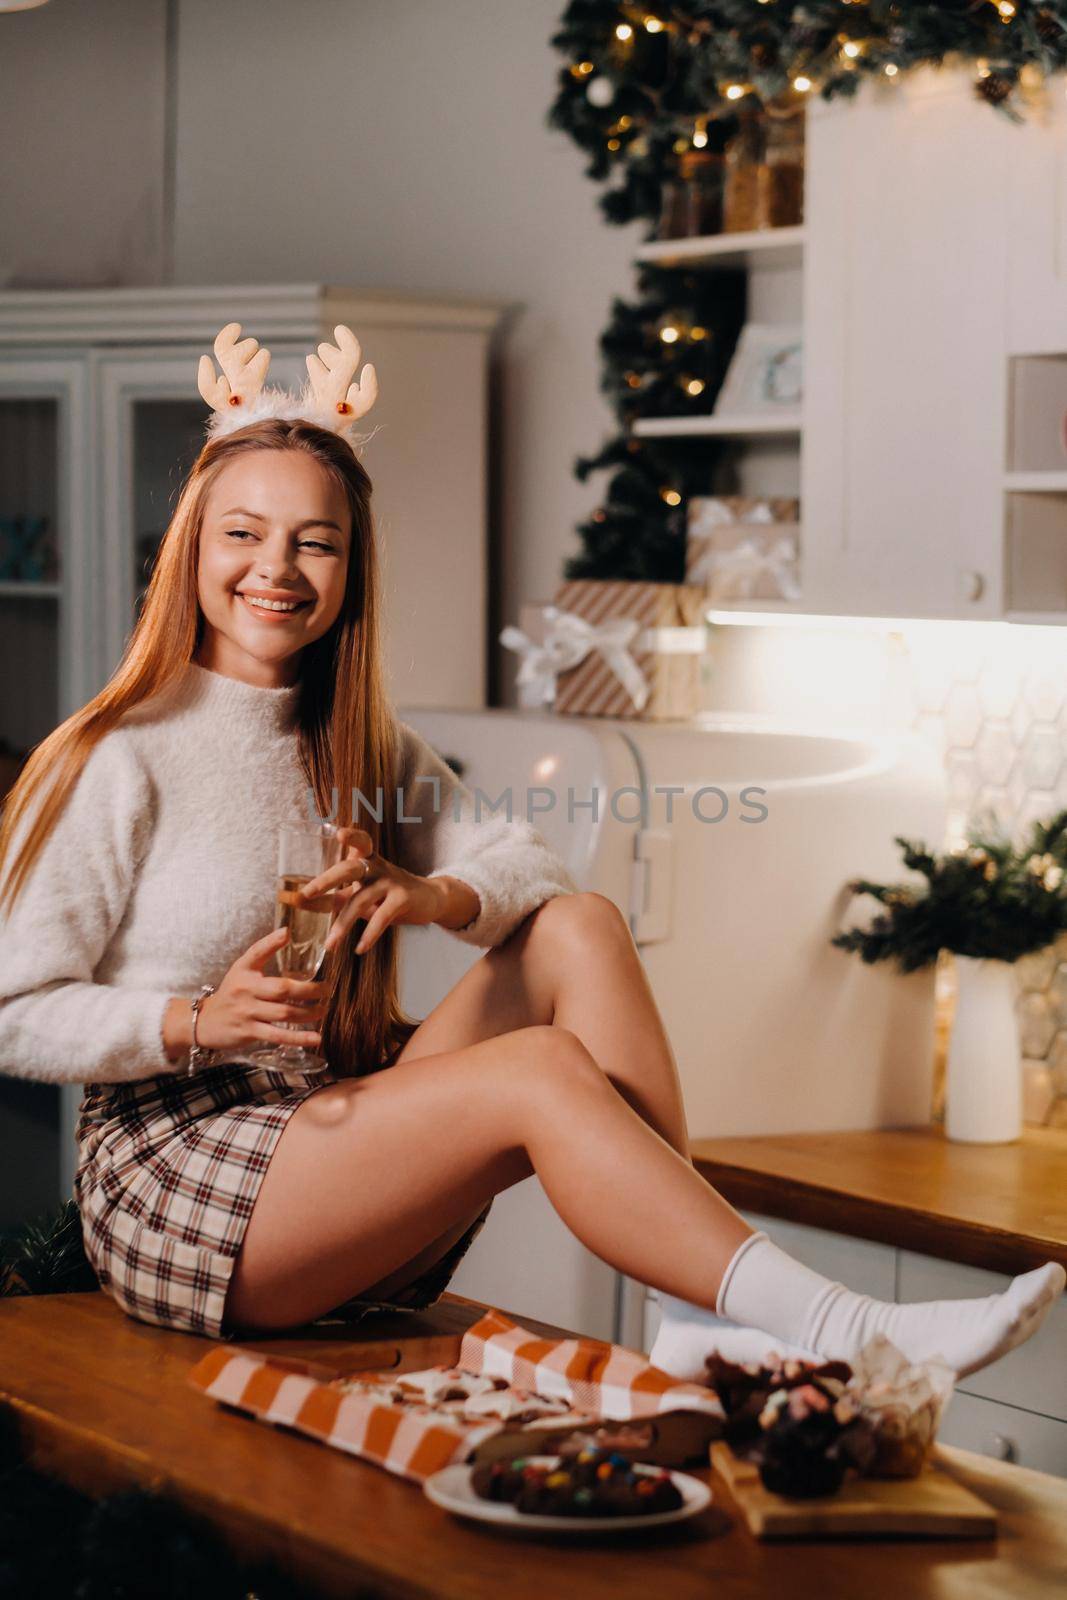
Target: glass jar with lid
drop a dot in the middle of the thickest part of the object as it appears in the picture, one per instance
(673, 207)
(744, 156)
(703, 175)
(780, 196)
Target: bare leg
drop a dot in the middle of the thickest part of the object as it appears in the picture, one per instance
(572, 962)
(369, 1170)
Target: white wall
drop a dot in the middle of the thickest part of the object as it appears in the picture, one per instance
(82, 114)
(381, 143)
(403, 143)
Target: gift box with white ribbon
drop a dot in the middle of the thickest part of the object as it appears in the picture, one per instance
(742, 548)
(607, 648)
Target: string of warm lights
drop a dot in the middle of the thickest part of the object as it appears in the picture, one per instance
(640, 81)
(644, 86)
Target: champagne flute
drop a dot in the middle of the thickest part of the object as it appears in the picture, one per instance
(304, 851)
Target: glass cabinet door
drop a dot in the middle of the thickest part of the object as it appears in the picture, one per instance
(153, 425)
(45, 497)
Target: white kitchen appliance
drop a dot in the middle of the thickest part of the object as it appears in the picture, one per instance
(728, 843)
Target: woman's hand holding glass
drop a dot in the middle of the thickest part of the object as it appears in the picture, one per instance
(249, 1004)
(367, 887)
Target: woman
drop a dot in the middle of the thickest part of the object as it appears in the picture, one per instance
(232, 1199)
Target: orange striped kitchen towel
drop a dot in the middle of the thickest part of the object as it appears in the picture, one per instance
(605, 1380)
(596, 1380)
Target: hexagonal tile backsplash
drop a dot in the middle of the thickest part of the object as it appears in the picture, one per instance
(998, 713)
(991, 698)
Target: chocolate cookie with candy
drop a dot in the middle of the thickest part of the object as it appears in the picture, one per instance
(594, 1483)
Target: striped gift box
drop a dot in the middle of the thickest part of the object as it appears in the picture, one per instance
(598, 1379)
(741, 548)
(668, 648)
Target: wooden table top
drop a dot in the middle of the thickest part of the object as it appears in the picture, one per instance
(999, 1206)
(104, 1402)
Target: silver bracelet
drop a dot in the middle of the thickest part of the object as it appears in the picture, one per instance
(198, 1054)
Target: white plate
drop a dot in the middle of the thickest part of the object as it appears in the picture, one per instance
(451, 1488)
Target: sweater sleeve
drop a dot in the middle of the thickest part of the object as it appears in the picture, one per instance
(508, 864)
(56, 1023)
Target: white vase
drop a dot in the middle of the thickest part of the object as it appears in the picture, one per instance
(983, 1078)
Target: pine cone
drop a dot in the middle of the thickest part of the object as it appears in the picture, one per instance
(1049, 27)
(995, 88)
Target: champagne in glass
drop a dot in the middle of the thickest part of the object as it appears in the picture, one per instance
(304, 851)
(308, 923)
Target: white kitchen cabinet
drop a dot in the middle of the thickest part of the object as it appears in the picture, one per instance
(905, 343)
(135, 355)
(1014, 1410)
(867, 1267)
(1035, 1375)
(100, 418)
(1007, 1433)
(1036, 230)
(934, 250)
(45, 603)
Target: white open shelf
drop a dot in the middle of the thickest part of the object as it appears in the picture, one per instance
(722, 427)
(764, 247)
(25, 589)
(1037, 482)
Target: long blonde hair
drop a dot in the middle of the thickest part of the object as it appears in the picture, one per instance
(347, 735)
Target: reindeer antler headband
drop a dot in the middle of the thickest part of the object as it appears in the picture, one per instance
(329, 398)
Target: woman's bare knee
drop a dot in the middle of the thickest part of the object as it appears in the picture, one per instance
(499, 1093)
(553, 1066)
(581, 916)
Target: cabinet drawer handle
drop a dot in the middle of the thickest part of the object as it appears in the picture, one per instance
(1001, 1448)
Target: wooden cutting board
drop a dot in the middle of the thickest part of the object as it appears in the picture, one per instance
(933, 1504)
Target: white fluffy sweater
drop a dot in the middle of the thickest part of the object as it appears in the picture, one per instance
(161, 871)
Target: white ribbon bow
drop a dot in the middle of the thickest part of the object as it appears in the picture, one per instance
(717, 513)
(734, 574)
(569, 638)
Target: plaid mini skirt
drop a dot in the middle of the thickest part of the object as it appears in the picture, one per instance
(168, 1173)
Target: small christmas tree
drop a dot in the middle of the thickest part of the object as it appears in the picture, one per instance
(665, 354)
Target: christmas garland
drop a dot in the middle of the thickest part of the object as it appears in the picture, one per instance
(643, 84)
(986, 898)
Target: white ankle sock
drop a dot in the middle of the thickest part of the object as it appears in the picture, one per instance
(765, 1287)
(688, 1334)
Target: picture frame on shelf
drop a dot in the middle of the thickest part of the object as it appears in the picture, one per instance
(766, 373)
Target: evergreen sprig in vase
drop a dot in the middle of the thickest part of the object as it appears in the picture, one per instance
(989, 902)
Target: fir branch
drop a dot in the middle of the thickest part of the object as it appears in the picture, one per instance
(665, 79)
(989, 899)
(47, 1256)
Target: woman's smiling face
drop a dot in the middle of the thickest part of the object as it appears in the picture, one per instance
(275, 528)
